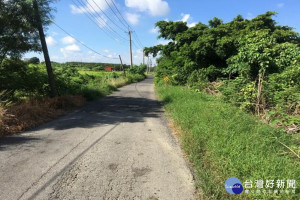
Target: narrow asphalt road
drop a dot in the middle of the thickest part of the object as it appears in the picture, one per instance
(118, 147)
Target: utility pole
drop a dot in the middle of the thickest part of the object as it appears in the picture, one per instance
(122, 66)
(53, 91)
(130, 48)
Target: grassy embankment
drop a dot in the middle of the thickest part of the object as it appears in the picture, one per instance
(221, 141)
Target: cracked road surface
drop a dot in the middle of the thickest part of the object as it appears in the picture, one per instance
(118, 147)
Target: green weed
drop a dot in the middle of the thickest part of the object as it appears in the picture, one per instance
(222, 141)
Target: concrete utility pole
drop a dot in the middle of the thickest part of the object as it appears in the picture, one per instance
(53, 90)
(130, 48)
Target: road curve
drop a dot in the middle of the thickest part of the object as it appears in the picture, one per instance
(118, 147)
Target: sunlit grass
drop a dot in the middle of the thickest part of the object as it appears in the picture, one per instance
(222, 141)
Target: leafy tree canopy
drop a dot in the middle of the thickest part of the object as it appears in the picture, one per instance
(18, 28)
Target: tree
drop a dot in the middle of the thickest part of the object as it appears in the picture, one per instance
(33, 60)
(215, 22)
(39, 18)
(17, 32)
(21, 30)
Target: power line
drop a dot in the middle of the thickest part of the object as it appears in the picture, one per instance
(90, 16)
(117, 15)
(137, 38)
(116, 12)
(108, 16)
(120, 14)
(82, 42)
(105, 24)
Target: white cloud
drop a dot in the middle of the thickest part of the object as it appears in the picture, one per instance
(153, 30)
(192, 24)
(70, 51)
(132, 18)
(68, 40)
(154, 7)
(138, 56)
(185, 17)
(51, 41)
(73, 47)
(54, 33)
(280, 5)
(163, 42)
(91, 6)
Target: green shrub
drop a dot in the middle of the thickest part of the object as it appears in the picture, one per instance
(138, 69)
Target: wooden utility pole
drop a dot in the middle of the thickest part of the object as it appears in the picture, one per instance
(130, 48)
(53, 91)
(122, 66)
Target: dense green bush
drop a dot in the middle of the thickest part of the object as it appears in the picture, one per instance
(141, 69)
(256, 62)
(23, 80)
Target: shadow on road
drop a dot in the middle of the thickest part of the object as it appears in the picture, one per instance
(15, 140)
(110, 110)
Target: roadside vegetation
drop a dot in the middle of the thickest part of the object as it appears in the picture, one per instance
(233, 91)
(25, 100)
(32, 92)
(221, 141)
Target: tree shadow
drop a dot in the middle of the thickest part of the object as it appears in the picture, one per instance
(15, 140)
(109, 110)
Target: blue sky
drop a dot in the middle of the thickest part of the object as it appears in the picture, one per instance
(109, 38)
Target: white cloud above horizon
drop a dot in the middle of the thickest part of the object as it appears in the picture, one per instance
(186, 18)
(91, 6)
(51, 41)
(154, 7)
(73, 47)
(132, 18)
(68, 40)
(70, 51)
(163, 42)
(153, 30)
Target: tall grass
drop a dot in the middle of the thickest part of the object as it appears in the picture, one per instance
(222, 141)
